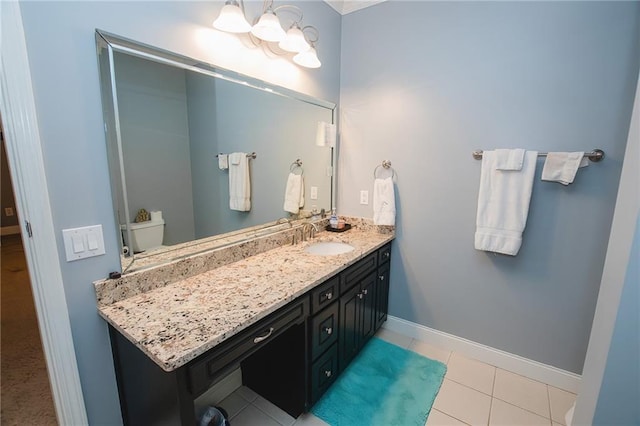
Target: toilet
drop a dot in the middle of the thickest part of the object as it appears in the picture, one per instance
(145, 235)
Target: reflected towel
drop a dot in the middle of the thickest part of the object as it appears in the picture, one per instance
(239, 182)
(503, 204)
(384, 203)
(294, 193)
(509, 159)
(561, 167)
(223, 161)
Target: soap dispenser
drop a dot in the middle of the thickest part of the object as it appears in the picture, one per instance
(333, 220)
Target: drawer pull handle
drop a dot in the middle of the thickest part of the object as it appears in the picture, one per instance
(266, 336)
(329, 295)
(381, 277)
(360, 295)
(365, 291)
(328, 330)
(387, 254)
(327, 373)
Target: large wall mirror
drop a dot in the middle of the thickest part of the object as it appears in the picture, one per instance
(168, 118)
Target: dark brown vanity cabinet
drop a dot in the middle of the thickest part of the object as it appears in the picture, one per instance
(291, 357)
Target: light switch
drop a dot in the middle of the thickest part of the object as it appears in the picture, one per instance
(78, 244)
(314, 193)
(364, 197)
(83, 242)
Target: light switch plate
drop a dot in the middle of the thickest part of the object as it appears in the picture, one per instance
(80, 243)
(314, 193)
(364, 197)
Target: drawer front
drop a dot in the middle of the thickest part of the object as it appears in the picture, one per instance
(208, 367)
(324, 330)
(354, 273)
(323, 373)
(324, 294)
(384, 254)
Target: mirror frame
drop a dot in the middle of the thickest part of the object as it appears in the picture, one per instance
(112, 43)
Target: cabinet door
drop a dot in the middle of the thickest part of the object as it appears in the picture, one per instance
(368, 307)
(324, 330)
(382, 295)
(350, 325)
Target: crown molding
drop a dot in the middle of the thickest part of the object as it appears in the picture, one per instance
(344, 7)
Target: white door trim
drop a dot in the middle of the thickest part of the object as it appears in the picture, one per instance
(24, 153)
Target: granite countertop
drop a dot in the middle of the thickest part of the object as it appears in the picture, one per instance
(178, 322)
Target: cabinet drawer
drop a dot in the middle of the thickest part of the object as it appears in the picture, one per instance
(203, 372)
(384, 254)
(324, 294)
(323, 373)
(351, 275)
(324, 330)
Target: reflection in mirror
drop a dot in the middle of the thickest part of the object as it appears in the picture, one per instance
(172, 123)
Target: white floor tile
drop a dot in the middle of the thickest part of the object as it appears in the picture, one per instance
(274, 411)
(233, 404)
(437, 418)
(251, 416)
(309, 419)
(395, 338)
(429, 351)
(560, 401)
(471, 373)
(522, 392)
(246, 393)
(463, 403)
(505, 414)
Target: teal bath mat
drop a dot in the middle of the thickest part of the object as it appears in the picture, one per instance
(384, 385)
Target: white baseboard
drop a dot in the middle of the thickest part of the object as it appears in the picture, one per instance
(532, 369)
(10, 230)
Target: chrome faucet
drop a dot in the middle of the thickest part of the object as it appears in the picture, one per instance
(284, 220)
(312, 227)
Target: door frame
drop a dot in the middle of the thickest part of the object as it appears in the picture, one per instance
(26, 165)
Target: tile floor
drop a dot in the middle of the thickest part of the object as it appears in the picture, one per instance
(473, 393)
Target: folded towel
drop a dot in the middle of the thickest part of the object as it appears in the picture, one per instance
(239, 182)
(384, 203)
(509, 159)
(503, 204)
(561, 167)
(294, 193)
(223, 161)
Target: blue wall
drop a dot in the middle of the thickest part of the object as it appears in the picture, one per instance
(423, 84)
(62, 55)
(620, 389)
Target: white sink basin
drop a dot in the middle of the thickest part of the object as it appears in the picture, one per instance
(328, 248)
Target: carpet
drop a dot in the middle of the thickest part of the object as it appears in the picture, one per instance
(384, 385)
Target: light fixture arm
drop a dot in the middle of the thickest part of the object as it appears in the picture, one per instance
(290, 7)
(315, 32)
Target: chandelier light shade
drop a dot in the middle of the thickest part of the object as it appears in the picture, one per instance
(231, 19)
(268, 28)
(297, 40)
(308, 58)
(294, 41)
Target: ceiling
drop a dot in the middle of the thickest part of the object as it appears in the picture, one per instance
(347, 6)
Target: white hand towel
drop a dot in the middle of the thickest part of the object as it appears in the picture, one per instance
(561, 167)
(239, 182)
(223, 161)
(509, 159)
(384, 203)
(294, 193)
(503, 204)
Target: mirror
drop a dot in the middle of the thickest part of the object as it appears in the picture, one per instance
(169, 119)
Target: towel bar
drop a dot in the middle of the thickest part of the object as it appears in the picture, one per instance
(253, 155)
(595, 155)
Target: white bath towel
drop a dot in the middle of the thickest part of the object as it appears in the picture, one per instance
(223, 161)
(509, 159)
(384, 203)
(239, 182)
(561, 167)
(294, 193)
(503, 204)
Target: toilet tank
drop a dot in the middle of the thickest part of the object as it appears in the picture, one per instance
(145, 235)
